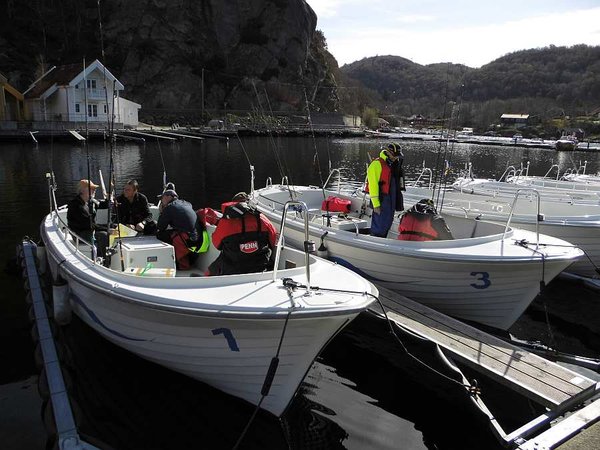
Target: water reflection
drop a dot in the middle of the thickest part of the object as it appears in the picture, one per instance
(352, 398)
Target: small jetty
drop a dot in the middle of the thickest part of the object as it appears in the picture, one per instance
(57, 412)
(559, 389)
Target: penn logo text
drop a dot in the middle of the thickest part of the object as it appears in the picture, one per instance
(249, 247)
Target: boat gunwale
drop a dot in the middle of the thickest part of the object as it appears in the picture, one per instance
(113, 280)
(431, 250)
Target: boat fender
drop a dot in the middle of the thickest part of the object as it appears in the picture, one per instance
(323, 251)
(61, 305)
(40, 253)
(266, 387)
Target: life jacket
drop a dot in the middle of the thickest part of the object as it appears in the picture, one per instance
(243, 251)
(423, 223)
(384, 179)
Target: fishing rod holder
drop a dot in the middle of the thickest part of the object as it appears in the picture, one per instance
(338, 171)
(298, 207)
(538, 218)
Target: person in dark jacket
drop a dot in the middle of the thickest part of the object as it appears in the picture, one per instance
(133, 209)
(81, 217)
(246, 238)
(178, 226)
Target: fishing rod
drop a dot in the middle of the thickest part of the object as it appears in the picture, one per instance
(444, 175)
(111, 204)
(312, 132)
(90, 203)
(272, 141)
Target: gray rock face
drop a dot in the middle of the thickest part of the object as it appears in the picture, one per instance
(252, 52)
(247, 49)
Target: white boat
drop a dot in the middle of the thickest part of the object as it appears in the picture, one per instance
(550, 185)
(566, 143)
(578, 224)
(486, 274)
(227, 331)
(502, 189)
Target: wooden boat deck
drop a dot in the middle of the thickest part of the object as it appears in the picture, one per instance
(541, 380)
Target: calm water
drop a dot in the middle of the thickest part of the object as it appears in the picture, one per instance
(360, 394)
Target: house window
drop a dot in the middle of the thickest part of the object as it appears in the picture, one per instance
(105, 111)
(92, 110)
(77, 86)
(91, 84)
(77, 108)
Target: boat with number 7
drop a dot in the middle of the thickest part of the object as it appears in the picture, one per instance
(253, 336)
(487, 273)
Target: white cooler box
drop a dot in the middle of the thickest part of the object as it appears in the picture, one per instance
(147, 253)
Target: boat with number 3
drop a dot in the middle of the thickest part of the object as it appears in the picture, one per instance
(487, 273)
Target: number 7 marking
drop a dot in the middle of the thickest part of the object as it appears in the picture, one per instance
(226, 332)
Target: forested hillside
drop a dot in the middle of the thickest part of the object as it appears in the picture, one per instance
(546, 82)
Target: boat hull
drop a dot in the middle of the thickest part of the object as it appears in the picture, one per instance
(232, 355)
(202, 333)
(486, 280)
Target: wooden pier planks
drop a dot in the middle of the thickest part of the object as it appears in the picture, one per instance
(76, 135)
(139, 133)
(537, 378)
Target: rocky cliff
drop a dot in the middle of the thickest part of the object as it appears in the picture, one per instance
(251, 54)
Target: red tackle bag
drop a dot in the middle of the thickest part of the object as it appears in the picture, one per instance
(336, 204)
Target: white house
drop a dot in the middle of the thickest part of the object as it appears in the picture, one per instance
(127, 112)
(71, 94)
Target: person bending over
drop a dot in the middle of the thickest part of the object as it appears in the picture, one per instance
(178, 226)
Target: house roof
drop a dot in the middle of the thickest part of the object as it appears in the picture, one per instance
(515, 116)
(69, 74)
(8, 88)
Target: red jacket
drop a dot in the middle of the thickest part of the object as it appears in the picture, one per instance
(227, 227)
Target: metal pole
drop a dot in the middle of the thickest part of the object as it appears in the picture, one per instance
(202, 117)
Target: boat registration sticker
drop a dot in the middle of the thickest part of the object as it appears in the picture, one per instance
(483, 280)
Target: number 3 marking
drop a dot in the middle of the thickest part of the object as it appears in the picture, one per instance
(484, 278)
(226, 332)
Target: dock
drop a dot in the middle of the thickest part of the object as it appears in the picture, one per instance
(67, 435)
(179, 135)
(151, 135)
(559, 389)
(76, 135)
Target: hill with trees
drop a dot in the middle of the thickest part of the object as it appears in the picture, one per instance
(546, 83)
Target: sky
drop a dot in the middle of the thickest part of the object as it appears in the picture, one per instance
(467, 32)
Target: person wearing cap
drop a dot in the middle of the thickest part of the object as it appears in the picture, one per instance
(178, 225)
(133, 209)
(245, 237)
(382, 187)
(81, 216)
